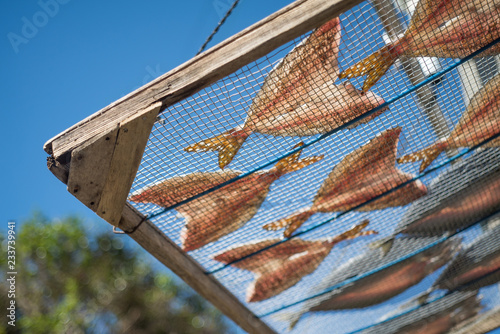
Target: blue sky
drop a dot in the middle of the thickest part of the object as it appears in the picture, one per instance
(60, 68)
(63, 60)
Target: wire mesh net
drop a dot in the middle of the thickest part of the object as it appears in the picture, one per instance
(313, 141)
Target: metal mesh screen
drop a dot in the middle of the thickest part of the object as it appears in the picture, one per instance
(432, 224)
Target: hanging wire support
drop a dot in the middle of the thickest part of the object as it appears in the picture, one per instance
(116, 231)
(221, 22)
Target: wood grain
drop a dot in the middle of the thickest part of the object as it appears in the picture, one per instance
(96, 188)
(126, 157)
(89, 169)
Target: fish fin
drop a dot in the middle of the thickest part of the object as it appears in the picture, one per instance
(356, 231)
(293, 317)
(418, 300)
(291, 223)
(282, 316)
(294, 322)
(227, 144)
(384, 244)
(422, 299)
(292, 163)
(374, 66)
(427, 155)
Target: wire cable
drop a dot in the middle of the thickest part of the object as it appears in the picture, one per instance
(221, 22)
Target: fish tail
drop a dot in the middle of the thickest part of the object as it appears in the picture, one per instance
(136, 197)
(294, 320)
(356, 231)
(292, 163)
(419, 299)
(427, 155)
(374, 66)
(384, 244)
(291, 223)
(292, 317)
(227, 144)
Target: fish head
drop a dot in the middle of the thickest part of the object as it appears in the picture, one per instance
(360, 102)
(333, 24)
(256, 294)
(384, 142)
(258, 290)
(392, 134)
(419, 189)
(279, 275)
(369, 101)
(190, 241)
(374, 100)
(142, 196)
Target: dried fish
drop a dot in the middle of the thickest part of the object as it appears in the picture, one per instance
(434, 318)
(222, 211)
(361, 176)
(482, 323)
(298, 97)
(480, 121)
(389, 275)
(442, 28)
(283, 265)
(474, 267)
(466, 193)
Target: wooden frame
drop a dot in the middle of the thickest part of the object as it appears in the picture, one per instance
(103, 151)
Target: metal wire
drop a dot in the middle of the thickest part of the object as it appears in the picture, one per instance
(218, 108)
(369, 273)
(402, 185)
(216, 29)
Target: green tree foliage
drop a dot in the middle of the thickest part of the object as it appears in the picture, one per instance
(68, 282)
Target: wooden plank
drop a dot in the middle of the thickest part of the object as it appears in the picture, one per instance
(60, 170)
(131, 141)
(167, 252)
(89, 169)
(203, 70)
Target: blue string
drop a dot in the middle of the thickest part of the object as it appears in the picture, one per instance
(374, 271)
(400, 314)
(325, 135)
(430, 170)
(460, 288)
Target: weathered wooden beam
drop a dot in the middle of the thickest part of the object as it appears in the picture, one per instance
(131, 141)
(167, 252)
(203, 70)
(103, 169)
(89, 169)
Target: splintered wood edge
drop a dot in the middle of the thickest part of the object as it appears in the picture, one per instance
(167, 252)
(221, 60)
(103, 169)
